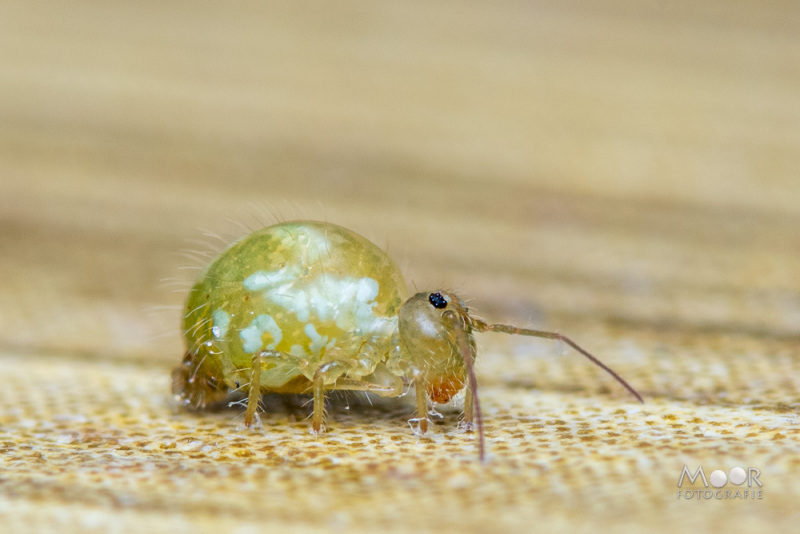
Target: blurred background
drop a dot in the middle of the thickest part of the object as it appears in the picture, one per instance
(625, 172)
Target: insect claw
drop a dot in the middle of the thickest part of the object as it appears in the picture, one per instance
(466, 426)
(256, 424)
(418, 425)
(313, 432)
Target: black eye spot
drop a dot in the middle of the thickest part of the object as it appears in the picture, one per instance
(437, 300)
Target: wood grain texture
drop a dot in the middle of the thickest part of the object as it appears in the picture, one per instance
(625, 173)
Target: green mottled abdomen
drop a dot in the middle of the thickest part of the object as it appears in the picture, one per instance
(310, 291)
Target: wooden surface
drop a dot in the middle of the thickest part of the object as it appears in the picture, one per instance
(625, 173)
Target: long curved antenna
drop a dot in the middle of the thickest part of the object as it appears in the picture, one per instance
(481, 326)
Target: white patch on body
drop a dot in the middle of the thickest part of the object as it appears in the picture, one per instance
(346, 300)
(267, 279)
(317, 341)
(220, 321)
(251, 336)
(428, 327)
